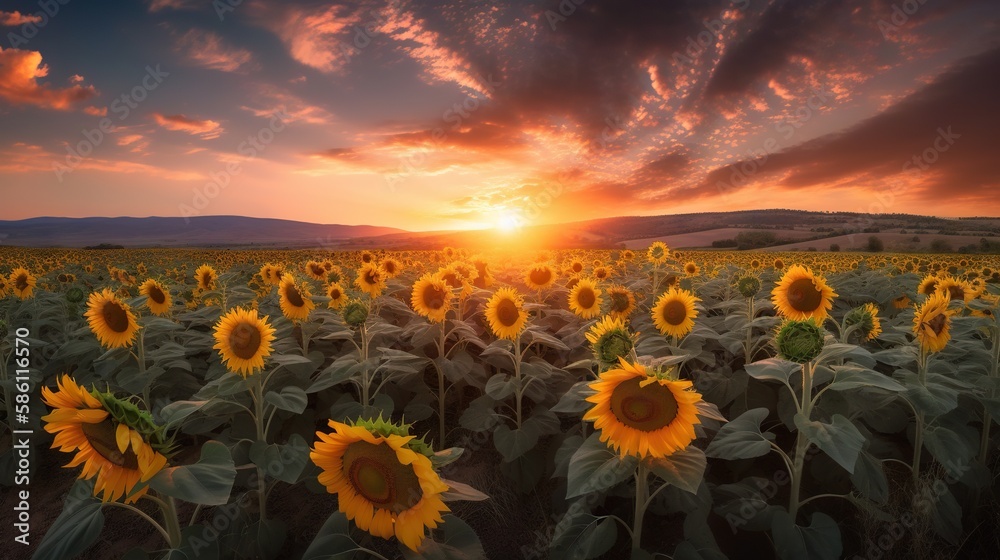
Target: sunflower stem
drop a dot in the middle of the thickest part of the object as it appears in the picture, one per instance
(801, 442)
(517, 374)
(918, 432)
(144, 515)
(172, 522)
(364, 370)
(441, 390)
(748, 344)
(141, 361)
(641, 500)
(984, 442)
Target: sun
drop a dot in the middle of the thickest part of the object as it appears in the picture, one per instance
(508, 222)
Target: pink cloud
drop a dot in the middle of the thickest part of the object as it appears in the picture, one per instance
(318, 38)
(13, 19)
(271, 101)
(19, 74)
(157, 5)
(207, 129)
(206, 49)
(28, 158)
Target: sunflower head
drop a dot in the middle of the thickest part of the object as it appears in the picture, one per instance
(611, 340)
(622, 302)
(116, 442)
(932, 323)
(111, 319)
(674, 312)
(801, 295)
(158, 298)
(505, 313)
(585, 299)
(748, 285)
(658, 253)
(205, 276)
(539, 276)
(643, 412)
(869, 326)
(799, 341)
(294, 298)
(383, 477)
(244, 340)
(691, 268)
(338, 298)
(355, 313)
(75, 295)
(22, 282)
(370, 279)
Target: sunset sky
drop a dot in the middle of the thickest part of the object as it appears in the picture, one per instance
(439, 115)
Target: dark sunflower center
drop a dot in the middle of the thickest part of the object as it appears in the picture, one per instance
(646, 408)
(101, 437)
(293, 296)
(115, 317)
(540, 277)
(619, 302)
(601, 273)
(586, 298)
(657, 252)
(929, 288)
(371, 277)
(317, 270)
(803, 295)
(956, 292)
(389, 267)
(374, 471)
(244, 340)
(452, 280)
(334, 293)
(22, 281)
(156, 294)
(507, 313)
(691, 269)
(433, 297)
(674, 312)
(937, 323)
(206, 279)
(577, 267)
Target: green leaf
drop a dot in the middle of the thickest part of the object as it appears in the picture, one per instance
(869, 478)
(514, 443)
(741, 438)
(283, 462)
(208, 482)
(683, 469)
(289, 359)
(499, 386)
(460, 542)
(76, 529)
(841, 440)
(333, 541)
(854, 377)
(596, 467)
(583, 536)
(819, 541)
(949, 449)
(290, 398)
(573, 401)
(773, 369)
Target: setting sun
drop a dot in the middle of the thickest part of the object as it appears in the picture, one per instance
(509, 222)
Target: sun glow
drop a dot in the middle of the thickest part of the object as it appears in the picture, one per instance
(509, 222)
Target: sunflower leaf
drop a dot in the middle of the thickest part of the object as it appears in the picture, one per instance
(840, 439)
(683, 469)
(290, 398)
(208, 482)
(77, 527)
(595, 467)
(742, 438)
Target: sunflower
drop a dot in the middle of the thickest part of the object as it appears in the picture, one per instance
(866, 317)
(206, 276)
(585, 299)
(158, 298)
(367, 257)
(453, 277)
(778, 264)
(390, 267)
(431, 297)
(928, 285)
(643, 413)
(111, 319)
(611, 340)
(315, 270)
(622, 302)
(575, 267)
(295, 300)
(22, 283)
(691, 268)
(800, 295)
(505, 314)
(957, 289)
(337, 296)
(932, 323)
(244, 340)
(483, 277)
(658, 253)
(674, 312)
(539, 276)
(383, 478)
(602, 272)
(370, 280)
(3, 287)
(113, 439)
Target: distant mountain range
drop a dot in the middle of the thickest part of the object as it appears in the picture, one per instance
(777, 228)
(200, 231)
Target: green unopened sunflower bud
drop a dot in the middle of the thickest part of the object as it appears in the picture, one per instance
(613, 345)
(748, 285)
(866, 318)
(74, 295)
(355, 313)
(799, 341)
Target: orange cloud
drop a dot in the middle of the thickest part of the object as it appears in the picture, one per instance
(317, 38)
(270, 101)
(207, 129)
(28, 158)
(206, 49)
(13, 19)
(19, 74)
(157, 5)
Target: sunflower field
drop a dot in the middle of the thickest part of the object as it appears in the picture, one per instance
(223, 404)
